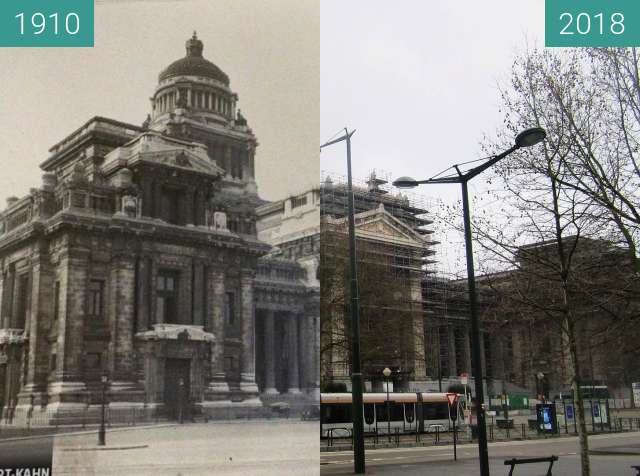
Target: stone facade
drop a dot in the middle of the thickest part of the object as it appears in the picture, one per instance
(138, 258)
(288, 298)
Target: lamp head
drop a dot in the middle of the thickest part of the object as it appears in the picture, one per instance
(386, 372)
(530, 137)
(405, 182)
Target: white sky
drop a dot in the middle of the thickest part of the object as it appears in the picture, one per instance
(269, 49)
(418, 80)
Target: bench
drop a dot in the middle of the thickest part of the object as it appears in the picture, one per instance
(515, 461)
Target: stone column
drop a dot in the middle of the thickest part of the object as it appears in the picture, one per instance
(42, 289)
(143, 289)
(293, 361)
(122, 285)
(198, 293)
(453, 369)
(188, 210)
(2, 294)
(247, 370)
(147, 197)
(157, 199)
(227, 160)
(269, 353)
(304, 351)
(67, 387)
(214, 323)
(7, 297)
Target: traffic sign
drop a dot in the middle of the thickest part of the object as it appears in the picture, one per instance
(452, 398)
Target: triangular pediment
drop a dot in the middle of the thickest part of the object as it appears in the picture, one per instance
(181, 159)
(154, 148)
(380, 225)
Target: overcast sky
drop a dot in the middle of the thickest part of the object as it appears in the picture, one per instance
(269, 49)
(418, 81)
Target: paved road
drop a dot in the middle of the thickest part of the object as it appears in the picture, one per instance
(437, 461)
(32, 452)
(261, 448)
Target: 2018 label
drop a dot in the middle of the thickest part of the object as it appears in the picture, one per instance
(581, 24)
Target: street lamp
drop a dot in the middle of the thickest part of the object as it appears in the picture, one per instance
(387, 373)
(356, 372)
(458, 174)
(181, 401)
(101, 433)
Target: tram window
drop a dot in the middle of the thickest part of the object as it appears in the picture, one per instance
(337, 413)
(395, 410)
(369, 413)
(435, 411)
(409, 412)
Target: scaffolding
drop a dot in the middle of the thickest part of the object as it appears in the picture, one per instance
(439, 297)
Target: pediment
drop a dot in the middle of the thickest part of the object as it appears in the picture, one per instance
(182, 159)
(385, 227)
(380, 225)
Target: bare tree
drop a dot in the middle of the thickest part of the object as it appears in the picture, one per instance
(387, 312)
(565, 196)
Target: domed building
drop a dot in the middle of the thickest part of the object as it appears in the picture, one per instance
(136, 265)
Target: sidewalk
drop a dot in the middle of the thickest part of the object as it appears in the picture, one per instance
(261, 448)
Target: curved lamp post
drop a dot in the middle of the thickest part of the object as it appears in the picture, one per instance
(387, 373)
(459, 175)
(356, 372)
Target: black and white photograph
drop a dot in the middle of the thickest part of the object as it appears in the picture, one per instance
(159, 242)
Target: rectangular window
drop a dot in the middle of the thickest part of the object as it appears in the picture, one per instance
(56, 300)
(230, 308)
(96, 298)
(298, 201)
(167, 297)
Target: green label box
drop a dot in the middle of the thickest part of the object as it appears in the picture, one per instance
(600, 23)
(46, 23)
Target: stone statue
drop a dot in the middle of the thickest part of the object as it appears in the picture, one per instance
(219, 220)
(130, 205)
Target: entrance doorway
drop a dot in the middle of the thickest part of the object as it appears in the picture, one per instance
(175, 394)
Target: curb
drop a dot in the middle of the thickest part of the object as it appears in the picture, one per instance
(106, 448)
(614, 453)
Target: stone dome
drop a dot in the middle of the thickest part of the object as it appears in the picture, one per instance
(194, 64)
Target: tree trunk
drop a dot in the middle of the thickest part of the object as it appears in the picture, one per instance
(583, 440)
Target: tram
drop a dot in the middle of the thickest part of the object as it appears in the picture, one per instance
(408, 412)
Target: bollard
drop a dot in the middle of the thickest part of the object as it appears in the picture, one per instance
(437, 435)
(491, 432)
